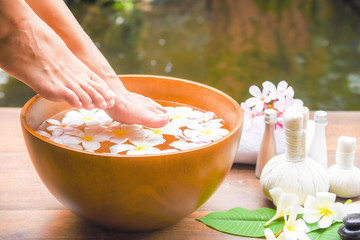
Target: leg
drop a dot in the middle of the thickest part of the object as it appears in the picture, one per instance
(35, 54)
(129, 107)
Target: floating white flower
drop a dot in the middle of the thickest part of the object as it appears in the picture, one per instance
(122, 132)
(88, 117)
(184, 145)
(179, 115)
(169, 129)
(323, 208)
(67, 140)
(284, 202)
(92, 137)
(64, 127)
(202, 116)
(139, 147)
(205, 132)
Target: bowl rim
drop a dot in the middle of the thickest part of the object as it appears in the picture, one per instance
(111, 155)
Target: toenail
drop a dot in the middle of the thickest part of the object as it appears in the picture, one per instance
(112, 102)
(103, 104)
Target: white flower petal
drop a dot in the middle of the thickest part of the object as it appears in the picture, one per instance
(255, 91)
(121, 148)
(43, 133)
(91, 145)
(53, 121)
(259, 106)
(250, 102)
(338, 211)
(269, 235)
(325, 198)
(325, 221)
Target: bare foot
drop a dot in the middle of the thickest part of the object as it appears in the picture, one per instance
(129, 107)
(133, 108)
(32, 52)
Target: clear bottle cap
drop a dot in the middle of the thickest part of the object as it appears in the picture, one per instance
(270, 116)
(320, 117)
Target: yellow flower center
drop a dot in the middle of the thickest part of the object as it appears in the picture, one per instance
(88, 118)
(138, 148)
(120, 132)
(177, 116)
(206, 131)
(325, 211)
(87, 138)
(158, 131)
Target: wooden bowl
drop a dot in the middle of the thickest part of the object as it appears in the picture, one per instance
(136, 193)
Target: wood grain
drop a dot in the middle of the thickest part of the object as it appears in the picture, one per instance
(29, 211)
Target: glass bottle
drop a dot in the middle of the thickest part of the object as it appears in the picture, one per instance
(268, 145)
(318, 148)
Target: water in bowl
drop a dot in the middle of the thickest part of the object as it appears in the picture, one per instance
(95, 131)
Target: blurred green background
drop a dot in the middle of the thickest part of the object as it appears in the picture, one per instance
(228, 44)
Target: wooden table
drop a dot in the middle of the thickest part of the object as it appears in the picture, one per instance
(29, 211)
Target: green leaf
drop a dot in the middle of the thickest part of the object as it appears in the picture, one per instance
(243, 222)
(329, 233)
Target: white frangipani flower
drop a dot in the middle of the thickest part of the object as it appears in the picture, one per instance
(287, 100)
(179, 115)
(168, 129)
(185, 145)
(284, 202)
(294, 229)
(352, 207)
(122, 132)
(260, 97)
(202, 116)
(89, 117)
(64, 127)
(66, 140)
(205, 132)
(92, 137)
(139, 147)
(323, 209)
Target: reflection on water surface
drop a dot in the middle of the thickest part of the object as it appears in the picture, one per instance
(228, 44)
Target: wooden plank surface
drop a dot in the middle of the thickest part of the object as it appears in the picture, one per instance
(29, 211)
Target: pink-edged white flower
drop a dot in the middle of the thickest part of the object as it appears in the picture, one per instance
(323, 209)
(207, 133)
(185, 145)
(202, 116)
(284, 202)
(287, 100)
(43, 133)
(64, 127)
(123, 132)
(92, 137)
(88, 117)
(250, 116)
(66, 140)
(278, 92)
(139, 147)
(260, 98)
(169, 129)
(179, 115)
